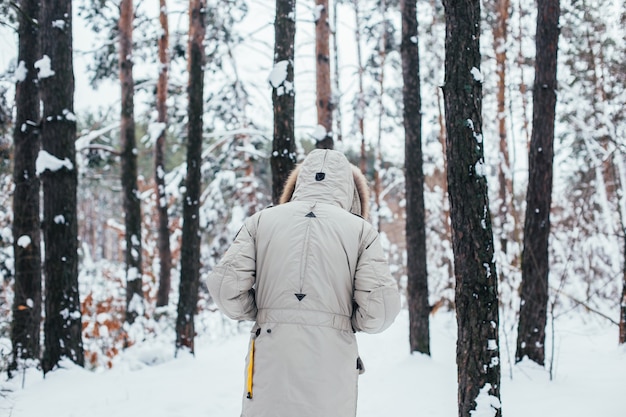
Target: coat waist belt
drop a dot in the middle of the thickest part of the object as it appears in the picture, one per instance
(305, 317)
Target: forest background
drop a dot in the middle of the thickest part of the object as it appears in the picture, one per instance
(588, 222)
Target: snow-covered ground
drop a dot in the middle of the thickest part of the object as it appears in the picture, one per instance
(589, 377)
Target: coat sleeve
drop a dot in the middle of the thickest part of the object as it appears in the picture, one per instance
(376, 297)
(231, 282)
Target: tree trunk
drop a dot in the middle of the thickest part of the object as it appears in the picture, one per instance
(417, 284)
(476, 294)
(360, 110)
(190, 249)
(165, 253)
(500, 32)
(535, 265)
(337, 102)
(324, 92)
(283, 158)
(26, 224)
(62, 325)
(132, 204)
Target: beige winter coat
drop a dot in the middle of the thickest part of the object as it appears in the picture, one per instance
(310, 273)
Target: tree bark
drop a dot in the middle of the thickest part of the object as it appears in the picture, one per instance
(417, 284)
(62, 325)
(165, 253)
(132, 204)
(476, 294)
(360, 110)
(190, 248)
(322, 69)
(26, 224)
(283, 158)
(535, 262)
(500, 32)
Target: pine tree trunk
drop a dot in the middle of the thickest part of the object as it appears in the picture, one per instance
(283, 158)
(505, 191)
(165, 253)
(322, 70)
(360, 110)
(62, 325)
(417, 284)
(535, 262)
(476, 294)
(26, 224)
(190, 250)
(337, 102)
(132, 204)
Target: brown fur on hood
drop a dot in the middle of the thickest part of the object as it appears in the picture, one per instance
(361, 190)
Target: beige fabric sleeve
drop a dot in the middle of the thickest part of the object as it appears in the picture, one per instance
(231, 281)
(376, 297)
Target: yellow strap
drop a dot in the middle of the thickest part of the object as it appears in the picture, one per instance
(250, 369)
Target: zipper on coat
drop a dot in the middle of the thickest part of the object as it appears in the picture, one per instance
(305, 250)
(250, 369)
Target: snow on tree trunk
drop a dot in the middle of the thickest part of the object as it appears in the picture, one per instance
(283, 158)
(190, 249)
(535, 262)
(476, 294)
(56, 166)
(26, 223)
(417, 283)
(132, 203)
(324, 91)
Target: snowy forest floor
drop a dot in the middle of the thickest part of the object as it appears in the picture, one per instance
(589, 376)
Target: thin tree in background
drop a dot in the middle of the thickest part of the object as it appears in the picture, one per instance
(283, 158)
(336, 73)
(360, 104)
(417, 283)
(26, 223)
(190, 248)
(324, 93)
(506, 214)
(535, 262)
(62, 324)
(132, 203)
(165, 253)
(476, 293)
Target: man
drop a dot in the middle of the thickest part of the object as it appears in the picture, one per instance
(311, 272)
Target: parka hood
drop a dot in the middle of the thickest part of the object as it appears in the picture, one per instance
(327, 176)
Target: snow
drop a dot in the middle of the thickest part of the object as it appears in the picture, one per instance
(20, 72)
(588, 380)
(44, 67)
(319, 133)
(24, 241)
(46, 161)
(478, 76)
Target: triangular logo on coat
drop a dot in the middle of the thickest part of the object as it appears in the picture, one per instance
(310, 214)
(300, 296)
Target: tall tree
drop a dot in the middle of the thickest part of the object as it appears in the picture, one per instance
(57, 168)
(535, 265)
(360, 99)
(283, 157)
(190, 249)
(132, 203)
(417, 284)
(506, 214)
(476, 293)
(165, 253)
(26, 224)
(322, 70)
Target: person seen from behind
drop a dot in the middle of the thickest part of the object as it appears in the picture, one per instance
(310, 272)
